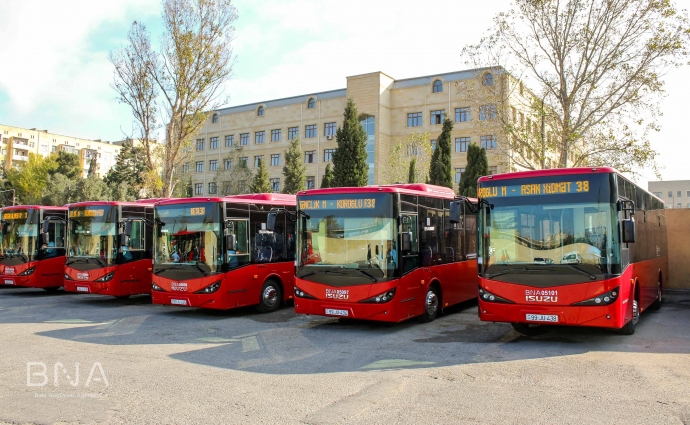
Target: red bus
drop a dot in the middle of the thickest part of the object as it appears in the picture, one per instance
(110, 248)
(579, 246)
(386, 253)
(218, 253)
(33, 246)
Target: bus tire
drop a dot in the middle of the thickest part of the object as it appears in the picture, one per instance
(656, 305)
(52, 288)
(629, 328)
(122, 297)
(522, 328)
(432, 304)
(270, 297)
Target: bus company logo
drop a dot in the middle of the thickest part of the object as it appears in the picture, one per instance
(179, 286)
(82, 276)
(541, 296)
(9, 270)
(337, 294)
(38, 375)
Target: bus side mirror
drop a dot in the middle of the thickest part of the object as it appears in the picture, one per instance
(45, 226)
(124, 239)
(230, 242)
(271, 221)
(5, 227)
(455, 212)
(128, 228)
(406, 242)
(45, 238)
(628, 231)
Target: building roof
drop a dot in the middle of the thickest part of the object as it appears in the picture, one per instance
(283, 102)
(449, 76)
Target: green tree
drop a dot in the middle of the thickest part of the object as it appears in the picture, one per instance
(67, 164)
(415, 146)
(327, 179)
(92, 188)
(440, 172)
(411, 176)
(93, 167)
(477, 166)
(131, 170)
(350, 157)
(294, 169)
(60, 190)
(184, 189)
(233, 176)
(260, 182)
(31, 178)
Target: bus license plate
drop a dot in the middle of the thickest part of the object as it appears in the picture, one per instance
(334, 312)
(82, 289)
(9, 282)
(178, 302)
(542, 318)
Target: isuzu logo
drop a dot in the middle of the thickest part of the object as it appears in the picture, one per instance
(541, 296)
(9, 270)
(179, 286)
(337, 294)
(82, 276)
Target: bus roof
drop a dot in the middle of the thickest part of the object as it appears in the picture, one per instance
(251, 198)
(550, 172)
(34, 207)
(419, 189)
(109, 203)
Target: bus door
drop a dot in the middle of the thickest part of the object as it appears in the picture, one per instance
(411, 288)
(134, 273)
(237, 256)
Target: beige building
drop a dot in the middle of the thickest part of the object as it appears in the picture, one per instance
(674, 193)
(18, 142)
(390, 110)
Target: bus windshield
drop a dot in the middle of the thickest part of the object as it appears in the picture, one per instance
(548, 222)
(189, 237)
(92, 235)
(353, 234)
(19, 234)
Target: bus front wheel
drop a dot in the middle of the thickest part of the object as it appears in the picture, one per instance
(629, 327)
(656, 305)
(431, 305)
(271, 296)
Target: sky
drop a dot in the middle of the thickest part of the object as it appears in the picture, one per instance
(55, 73)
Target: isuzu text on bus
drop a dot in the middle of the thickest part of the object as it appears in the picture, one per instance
(384, 253)
(218, 253)
(580, 246)
(33, 246)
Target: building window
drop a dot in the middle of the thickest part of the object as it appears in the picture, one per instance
(242, 186)
(200, 144)
(311, 182)
(54, 148)
(458, 174)
(310, 131)
(229, 141)
(309, 157)
(438, 87)
(275, 135)
(275, 185)
(487, 112)
(433, 145)
(213, 165)
(658, 194)
(687, 194)
(493, 170)
(214, 142)
(215, 118)
(488, 142)
(212, 188)
(311, 103)
(488, 79)
(461, 144)
(414, 120)
(185, 167)
(670, 194)
(260, 111)
(227, 163)
(200, 166)
(328, 155)
(198, 188)
(437, 116)
(259, 137)
(244, 161)
(293, 133)
(244, 139)
(679, 205)
(462, 114)
(679, 194)
(329, 129)
(258, 159)
(275, 159)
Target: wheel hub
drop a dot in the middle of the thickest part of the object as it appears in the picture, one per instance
(431, 303)
(270, 296)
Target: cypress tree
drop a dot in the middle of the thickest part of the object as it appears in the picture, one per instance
(440, 172)
(294, 169)
(350, 158)
(327, 180)
(411, 177)
(477, 166)
(260, 182)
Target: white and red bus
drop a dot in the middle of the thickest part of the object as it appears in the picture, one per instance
(110, 248)
(218, 253)
(578, 246)
(386, 253)
(32, 243)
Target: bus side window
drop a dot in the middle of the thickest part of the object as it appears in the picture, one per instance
(410, 259)
(290, 241)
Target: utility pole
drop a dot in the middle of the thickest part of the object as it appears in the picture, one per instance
(543, 144)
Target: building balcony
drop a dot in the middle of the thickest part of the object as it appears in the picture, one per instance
(20, 157)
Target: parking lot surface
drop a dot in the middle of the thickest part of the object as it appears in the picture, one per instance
(143, 363)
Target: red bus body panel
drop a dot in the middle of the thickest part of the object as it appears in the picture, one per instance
(132, 278)
(48, 273)
(240, 287)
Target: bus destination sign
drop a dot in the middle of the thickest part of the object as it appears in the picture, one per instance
(91, 212)
(15, 215)
(338, 204)
(556, 188)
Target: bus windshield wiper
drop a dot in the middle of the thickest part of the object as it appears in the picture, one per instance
(373, 279)
(200, 269)
(518, 271)
(579, 270)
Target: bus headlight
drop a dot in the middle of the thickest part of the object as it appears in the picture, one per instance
(301, 294)
(67, 277)
(381, 298)
(28, 271)
(210, 288)
(155, 287)
(487, 296)
(603, 299)
(106, 278)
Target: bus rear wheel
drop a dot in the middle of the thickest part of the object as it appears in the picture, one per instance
(656, 305)
(629, 327)
(271, 296)
(431, 305)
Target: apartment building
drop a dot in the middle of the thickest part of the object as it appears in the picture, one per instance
(389, 109)
(674, 193)
(17, 142)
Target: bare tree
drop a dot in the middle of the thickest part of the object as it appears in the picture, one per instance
(596, 67)
(415, 146)
(189, 72)
(234, 176)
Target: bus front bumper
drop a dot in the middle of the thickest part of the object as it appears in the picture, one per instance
(14, 280)
(183, 299)
(112, 288)
(392, 311)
